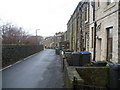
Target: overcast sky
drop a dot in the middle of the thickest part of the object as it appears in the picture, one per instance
(50, 16)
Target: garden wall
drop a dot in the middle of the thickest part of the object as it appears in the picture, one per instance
(97, 76)
(87, 77)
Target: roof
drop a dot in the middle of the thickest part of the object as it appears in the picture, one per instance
(78, 7)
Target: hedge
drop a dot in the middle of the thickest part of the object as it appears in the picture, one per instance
(14, 53)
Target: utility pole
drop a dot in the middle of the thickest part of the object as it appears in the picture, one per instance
(37, 37)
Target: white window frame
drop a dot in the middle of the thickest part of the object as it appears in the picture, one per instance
(87, 15)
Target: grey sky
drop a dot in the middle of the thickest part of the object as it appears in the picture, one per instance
(50, 16)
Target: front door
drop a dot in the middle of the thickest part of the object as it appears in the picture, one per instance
(109, 43)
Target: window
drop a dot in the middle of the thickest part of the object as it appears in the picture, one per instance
(86, 41)
(109, 43)
(110, 1)
(77, 24)
(92, 34)
(98, 3)
(86, 13)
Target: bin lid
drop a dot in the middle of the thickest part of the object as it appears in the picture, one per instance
(114, 66)
(68, 52)
(85, 52)
(76, 53)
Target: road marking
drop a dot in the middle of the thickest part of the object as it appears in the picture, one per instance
(5, 68)
(17, 62)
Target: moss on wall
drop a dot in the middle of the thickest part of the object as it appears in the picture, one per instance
(89, 75)
(97, 76)
(69, 73)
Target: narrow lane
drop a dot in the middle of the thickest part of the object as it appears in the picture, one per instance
(42, 70)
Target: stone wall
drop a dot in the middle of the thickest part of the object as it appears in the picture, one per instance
(93, 77)
(69, 74)
(119, 35)
(97, 76)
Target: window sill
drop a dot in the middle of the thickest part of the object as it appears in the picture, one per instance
(86, 21)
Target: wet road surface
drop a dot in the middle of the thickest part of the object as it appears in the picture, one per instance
(43, 70)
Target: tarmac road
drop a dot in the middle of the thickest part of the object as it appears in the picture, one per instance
(43, 70)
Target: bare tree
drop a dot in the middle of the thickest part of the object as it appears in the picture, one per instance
(13, 35)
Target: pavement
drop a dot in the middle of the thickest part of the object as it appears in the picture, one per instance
(43, 70)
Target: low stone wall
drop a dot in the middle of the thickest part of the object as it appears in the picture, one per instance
(96, 76)
(13, 53)
(87, 77)
(69, 74)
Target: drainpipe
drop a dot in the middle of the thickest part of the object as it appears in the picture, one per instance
(95, 25)
(94, 53)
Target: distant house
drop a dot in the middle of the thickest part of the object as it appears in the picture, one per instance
(59, 40)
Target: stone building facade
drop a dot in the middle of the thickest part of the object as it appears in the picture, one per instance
(106, 17)
(81, 28)
(119, 34)
(70, 33)
(56, 41)
(94, 27)
(78, 27)
(85, 25)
